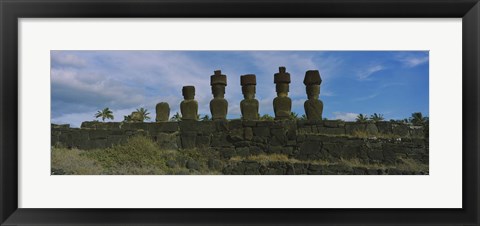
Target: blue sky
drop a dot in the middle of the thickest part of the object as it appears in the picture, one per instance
(392, 83)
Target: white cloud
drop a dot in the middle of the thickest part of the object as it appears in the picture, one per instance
(365, 74)
(67, 60)
(412, 60)
(346, 116)
(91, 89)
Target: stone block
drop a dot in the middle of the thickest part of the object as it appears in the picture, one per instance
(331, 131)
(248, 133)
(98, 134)
(360, 171)
(188, 139)
(351, 128)
(279, 136)
(249, 123)
(166, 127)
(300, 168)
(255, 150)
(227, 153)
(280, 150)
(265, 123)
(215, 164)
(400, 130)
(221, 125)
(417, 132)
(252, 168)
(309, 150)
(203, 127)
(375, 156)
(236, 135)
(202, 141)
(331, 123)
(389, 157)
(300, 138)
(261, 131)
(235, 124)
(315, 169)
(243, 151)
(89, 125)
(384, 127)
(193, 165)
(220, 140)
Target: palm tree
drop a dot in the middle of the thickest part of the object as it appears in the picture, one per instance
(144, 113)
(176, 117)
(362, 118)
(106, 113)
(127, 118)
(205, 118)
(376, 117)
(418, 119)
(304, 117)
(293, 115)
(266, 117)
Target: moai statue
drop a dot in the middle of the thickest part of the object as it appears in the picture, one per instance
(249, 105)
(136, 117)
(282, 104)
(163, 112)
(313, 106)
(189, 106)
(218, 105)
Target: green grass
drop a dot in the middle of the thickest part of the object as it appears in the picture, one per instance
(139, 156)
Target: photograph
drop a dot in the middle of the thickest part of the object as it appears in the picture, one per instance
(281, 112)
(285, 112)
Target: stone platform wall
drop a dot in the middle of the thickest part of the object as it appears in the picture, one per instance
(381, 142)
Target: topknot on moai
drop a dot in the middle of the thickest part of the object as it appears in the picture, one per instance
(282, 104)
(189, 106)
(313, 106)
(218, 105)
(163, 112)
(249, 105)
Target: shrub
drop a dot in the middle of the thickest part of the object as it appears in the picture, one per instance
(71, 161)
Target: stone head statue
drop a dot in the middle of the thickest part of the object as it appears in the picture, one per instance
(282, 81)
(163, 112)
(188, 92)
(218, 83)
(312, 80)
(248, 83)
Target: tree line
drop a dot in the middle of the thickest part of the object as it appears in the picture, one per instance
(416, 118)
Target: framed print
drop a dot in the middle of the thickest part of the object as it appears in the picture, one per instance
(225, 112)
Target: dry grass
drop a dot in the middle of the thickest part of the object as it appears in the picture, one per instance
(405, 165)
(412, 165)
(365, 134)
(265, 158)
(71, 161)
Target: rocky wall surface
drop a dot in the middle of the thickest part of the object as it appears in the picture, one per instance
(381, 142)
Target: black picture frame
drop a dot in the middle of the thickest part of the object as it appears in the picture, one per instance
(12, 10)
